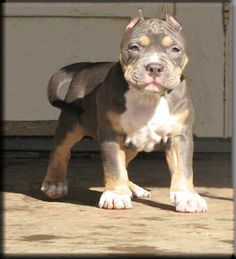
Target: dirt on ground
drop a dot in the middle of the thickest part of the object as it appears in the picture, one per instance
(75, 225)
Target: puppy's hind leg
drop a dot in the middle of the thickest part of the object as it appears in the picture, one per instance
(69, 131)
(137, 191)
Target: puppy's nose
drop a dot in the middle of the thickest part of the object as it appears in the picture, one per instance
(154, 69)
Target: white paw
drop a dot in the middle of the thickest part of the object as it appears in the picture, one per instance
(188, 202)
(139, 192)
(54, 189)
(112, 200)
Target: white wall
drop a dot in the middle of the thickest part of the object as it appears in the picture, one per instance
(42, 37)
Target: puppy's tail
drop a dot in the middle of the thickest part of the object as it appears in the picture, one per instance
(60, 78)
(57, 80)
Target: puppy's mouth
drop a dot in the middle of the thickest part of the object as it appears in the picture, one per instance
(153, 84)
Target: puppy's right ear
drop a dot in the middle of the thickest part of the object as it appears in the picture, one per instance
(139, 17)
(173, 21)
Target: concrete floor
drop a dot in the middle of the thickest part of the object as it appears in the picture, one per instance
(76, 225)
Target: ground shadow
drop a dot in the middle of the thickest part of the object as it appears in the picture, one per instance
(155, 204)
(25, 176)
(88, 197)
(76, 195)
(208, 195)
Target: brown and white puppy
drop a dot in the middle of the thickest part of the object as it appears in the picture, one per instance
(140, 103)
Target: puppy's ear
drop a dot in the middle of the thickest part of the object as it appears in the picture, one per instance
(139, 17)
(170, 19)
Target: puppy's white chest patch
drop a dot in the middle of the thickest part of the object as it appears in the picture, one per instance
(146, 126)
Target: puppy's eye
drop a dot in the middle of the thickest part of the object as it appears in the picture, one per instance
(134, 47)
(175, 49)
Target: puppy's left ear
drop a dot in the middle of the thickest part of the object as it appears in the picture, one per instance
(139, 17)
(170, 19)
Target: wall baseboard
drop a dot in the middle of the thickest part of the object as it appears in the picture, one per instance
(89, 145)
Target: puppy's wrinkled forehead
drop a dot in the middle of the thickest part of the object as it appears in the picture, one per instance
(148, 30)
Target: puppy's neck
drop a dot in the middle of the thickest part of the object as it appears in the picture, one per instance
(143, 98)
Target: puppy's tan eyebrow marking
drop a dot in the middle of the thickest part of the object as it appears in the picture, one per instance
(166, 41)
(144, 40)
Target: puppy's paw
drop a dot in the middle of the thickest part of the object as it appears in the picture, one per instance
(112, 200)
(54, 190)
(138, 191)
(188, 202)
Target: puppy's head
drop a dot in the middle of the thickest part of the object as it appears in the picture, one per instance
(153, 53)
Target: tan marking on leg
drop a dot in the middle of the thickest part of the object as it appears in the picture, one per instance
(137, 191)
(112, 183)
(182, 193)
(166, 41)
(117, 192)
(60, 155)
(114, 163)
(129, 155)
(144, 41)
(55, 184)
(171, 161)
(178, 180)
(114, 118)
(180, 123)
(179, 183)
(175, 161)
(183, 116)
(176, 166)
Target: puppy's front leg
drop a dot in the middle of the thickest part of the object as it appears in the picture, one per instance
(117, 194)
(179, 154)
